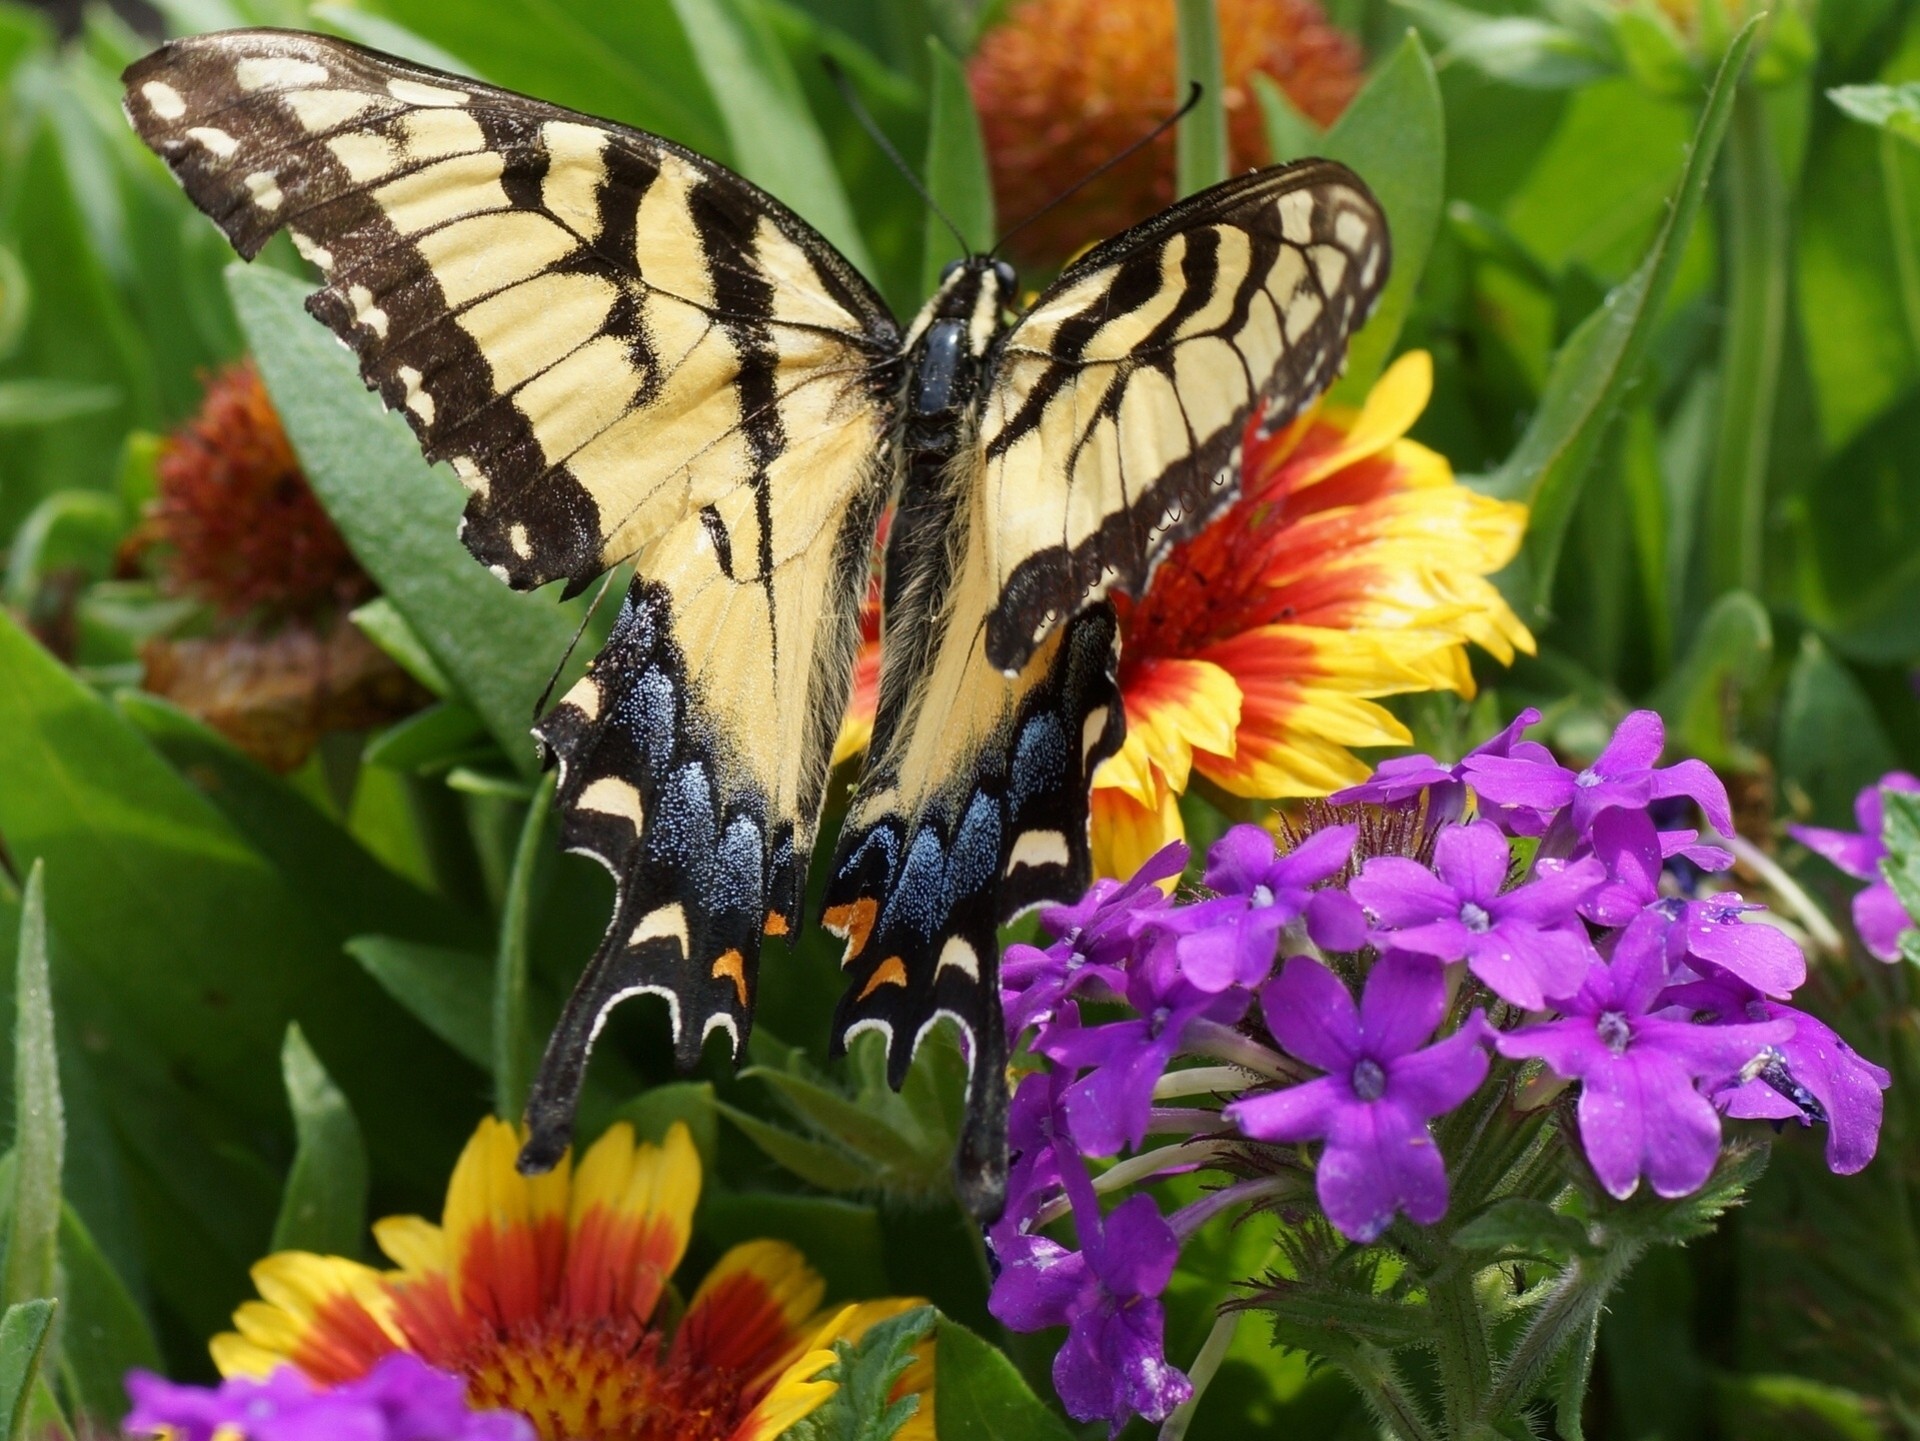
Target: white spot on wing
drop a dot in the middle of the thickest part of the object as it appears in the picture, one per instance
(668, 922)
(264, 189)
(1296, 216)
(609, 796)
(366, 313)
(721, 1021)
(471, 476)
(415, 93)
(218, 141)
(310, 250)
(418, 401)
(1090, 730)
(1039, 848)
(961, 956)
(517, 538)
(164, 99)
(278, 72)
(1350, 230)
(585, 698)
(665, 994)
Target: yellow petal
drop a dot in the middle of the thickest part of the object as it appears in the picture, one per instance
(1391, 408)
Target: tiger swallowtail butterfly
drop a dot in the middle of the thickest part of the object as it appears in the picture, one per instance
(629, 353)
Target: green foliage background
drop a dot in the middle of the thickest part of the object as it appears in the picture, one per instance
(253, 1011)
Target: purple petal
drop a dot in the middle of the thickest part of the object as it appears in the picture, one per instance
(1473, 861)
(1638, 970)
(1432, 1082)
(1763, 956)
(1527, 967)
(1636, 745)
(1317, 858)
(1239, 860)
(1880, 919)
(1641, 1114)
(1503, 743)
(1517, 781)
(1443, 940)
(1858, 856)
(1335, 921)
(1403, 1001)
(1402, 892)
(1695, 780)
(1114, 1366)
(1395, 780)
(1710, 1053)
(1379, 1160)
(1553, 898)
(1846, 1084)
(1569, 1047)
(1220, 956)
(1299, 1113)
(1136, 1251)
(1312, 1015)
(1039, 1283)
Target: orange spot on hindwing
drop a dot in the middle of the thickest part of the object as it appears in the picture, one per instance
(734, 967)
(890, 972)
(854, 921)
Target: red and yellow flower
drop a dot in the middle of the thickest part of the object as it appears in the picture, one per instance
(1353, 566)
(551, 1296)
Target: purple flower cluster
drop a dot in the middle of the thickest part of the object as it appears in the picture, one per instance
(1354, 987)
(1877, 913)
(401, 1399)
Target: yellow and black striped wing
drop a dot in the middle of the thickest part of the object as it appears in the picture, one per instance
(626, 352)
(1115, 412)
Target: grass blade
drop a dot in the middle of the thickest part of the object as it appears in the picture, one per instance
(40, 1128)
(1200, 147)
(957, 175)
(324, 1205)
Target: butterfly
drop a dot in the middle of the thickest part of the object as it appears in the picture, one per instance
(628, 353)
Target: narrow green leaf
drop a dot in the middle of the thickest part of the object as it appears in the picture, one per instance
(513, 1037)
(104, 1335)
(39, 1125)
(25, 403)
(1594, 369)
(1394, 137)
(400, 516)
(396, 39)
(434, 739)
(23, 1338)
(1830, 741)
(854, 1126)
(981, 1397)
(1200, 147)
(388, 629)
(448, 991)
(841, 1239)
(1894, 108)
(775, 141)
(825, 1166)
(1521, 50)
(324, 1205)
(1291, 134)
(957, 175)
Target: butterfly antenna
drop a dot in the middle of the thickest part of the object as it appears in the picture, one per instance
(1193, 99)
(844, 84)
(586, 620)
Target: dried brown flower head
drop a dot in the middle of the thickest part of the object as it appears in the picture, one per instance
(238, 525)
(1063, 85)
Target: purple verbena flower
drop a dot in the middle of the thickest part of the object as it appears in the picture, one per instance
(1231, 939)
(1526, 944)
(1641, 1111)
(1635, 853)
(1400, 780)
(1811, 1076)
(1877, 913)
(1380, 1090)
(1093, 937)
(1623, 775)
(1107, 1294)
(400, 1399)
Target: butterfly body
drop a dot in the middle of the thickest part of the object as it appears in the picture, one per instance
(627, 353)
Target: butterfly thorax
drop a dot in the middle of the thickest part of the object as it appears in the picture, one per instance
(946, 350)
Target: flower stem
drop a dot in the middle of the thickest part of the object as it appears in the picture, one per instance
(1223, 1043)
(512, 1033)
(1788, 891)
(1212, 1352)
(1200, 1081)
(1372, 1372)
(1562, 1319)
(1460, 1347)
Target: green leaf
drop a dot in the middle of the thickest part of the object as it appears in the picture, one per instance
(448, 991)
(513, 1038)
(23, 1337)
(1830, 741)
(1797, 1406)
(823, 1165)
(1524, 1228)
(40, 1125)
(324, 1206)
(380, 33)
(1520, 50)
(1894, 108)
(435, 739)
(1701, 699)
(957, 175)
(1594, 370)
(70, 531)
(773, 136)
(982, 1397)
(103, 1335)
(1200, 144)
(1291, 133)
(842, 1240)
(399, 516)
(861, 1408)
(1900, 831)
(25, 403)
(654, 1111)
(388, 629)
(1394, 137)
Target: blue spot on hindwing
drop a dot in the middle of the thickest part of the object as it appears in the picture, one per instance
(736, 877)
(975, 860)
(1039, 761)
(919, 899)
(680, 830)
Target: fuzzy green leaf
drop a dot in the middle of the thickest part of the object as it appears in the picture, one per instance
(24, 1331)
(388, 629)
(1524, 1228)
(1394, 137)
(860, 1409)
(400, 516)
(982, 1397)
(957, 175)
(40, 1124)
(1291, 134)
(1594, 370)
(823, 1165)
(324, 1206)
